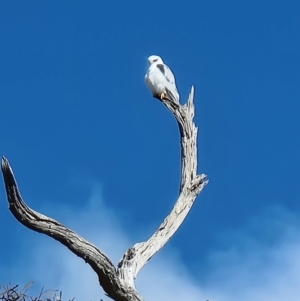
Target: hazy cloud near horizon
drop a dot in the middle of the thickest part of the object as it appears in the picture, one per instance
(247, 266)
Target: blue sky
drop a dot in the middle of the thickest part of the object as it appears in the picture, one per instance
(86, 139)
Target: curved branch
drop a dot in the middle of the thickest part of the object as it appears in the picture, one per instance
(191, 185)
(119, 283)
(114, 287)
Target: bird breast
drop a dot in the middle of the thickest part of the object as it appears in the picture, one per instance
(155, 80)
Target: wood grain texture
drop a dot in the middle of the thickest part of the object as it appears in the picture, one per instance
(191, 185)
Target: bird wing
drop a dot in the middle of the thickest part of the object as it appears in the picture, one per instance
(170, 82)
(166, 71)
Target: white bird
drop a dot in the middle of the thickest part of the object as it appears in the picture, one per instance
(160, 80)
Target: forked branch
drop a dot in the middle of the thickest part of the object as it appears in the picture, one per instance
(190, 186)
(118, 283)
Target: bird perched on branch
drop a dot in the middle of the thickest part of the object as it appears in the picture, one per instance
(160, 80)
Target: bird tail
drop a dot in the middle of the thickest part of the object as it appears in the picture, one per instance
(173, 96)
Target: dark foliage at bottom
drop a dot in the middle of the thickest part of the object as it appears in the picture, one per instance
(15, 293)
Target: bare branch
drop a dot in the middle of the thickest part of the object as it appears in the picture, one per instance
(190, 186)
(119, 283)
(115, 287)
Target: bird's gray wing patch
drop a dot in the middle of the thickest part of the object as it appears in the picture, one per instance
(161, 67)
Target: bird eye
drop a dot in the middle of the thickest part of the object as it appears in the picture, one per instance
(155, 60)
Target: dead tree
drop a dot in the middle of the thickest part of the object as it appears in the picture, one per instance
(118, 282)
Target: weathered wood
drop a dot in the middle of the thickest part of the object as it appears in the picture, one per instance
(118, 283)
(191, 185)
(112, 284)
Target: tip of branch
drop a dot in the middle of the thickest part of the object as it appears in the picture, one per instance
(205, 183)
(4, 163)
(192, 91)
(190, 103)
(7, 172)
(191, 96)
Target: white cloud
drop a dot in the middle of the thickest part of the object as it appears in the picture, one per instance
(263, 262)
(259, 262)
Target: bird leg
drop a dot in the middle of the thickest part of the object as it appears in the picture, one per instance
(160, 96)
(163, 96)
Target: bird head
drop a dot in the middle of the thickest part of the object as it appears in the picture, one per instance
(154, 59)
